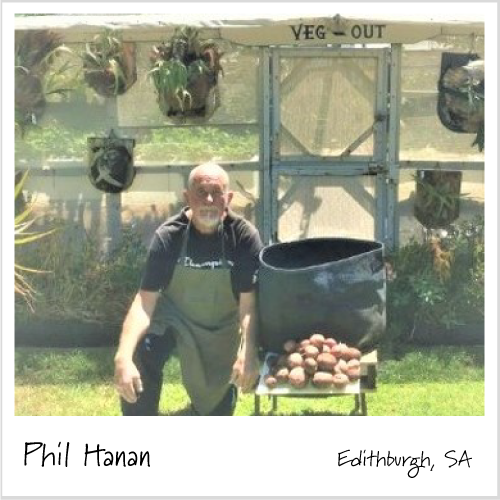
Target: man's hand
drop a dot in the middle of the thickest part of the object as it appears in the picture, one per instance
(128, 381)
(245, 371)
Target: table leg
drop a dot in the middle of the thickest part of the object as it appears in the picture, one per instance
(364, 409)
(257, 404)
(355, 410)
(275, 403)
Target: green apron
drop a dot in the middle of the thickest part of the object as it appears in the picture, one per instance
(200, 307)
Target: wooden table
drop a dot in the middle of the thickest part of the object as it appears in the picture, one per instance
(366, 383)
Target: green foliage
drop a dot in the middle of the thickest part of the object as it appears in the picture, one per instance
(183, 70)
(53, 141)
(169, 145)
(109, 64)
(82, 285)
(24, 235)
(39, 74)
(193, 144)
(447, 292)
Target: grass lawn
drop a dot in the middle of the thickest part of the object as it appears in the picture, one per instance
(423, 381)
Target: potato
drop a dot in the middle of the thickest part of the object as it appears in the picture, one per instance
(340, 380)
(341, 366)
(270, 381)
(297, 377)
(343, 351)
(326, 348)
(282, 375)
(304, 343)
(289, 346)
(353, 372)
(330, 342)
(353, 363)
(311, 351)
(326, 362)
(317, 340)
(353, 353)
(294, 359)
(322, 379)
(310, 366)
(336, 350)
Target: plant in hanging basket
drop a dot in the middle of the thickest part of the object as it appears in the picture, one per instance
(36, 76)
(109, 64)
(437, 201)
(461, 94)
(185, 72)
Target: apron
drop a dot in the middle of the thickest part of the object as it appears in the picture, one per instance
(200, 307)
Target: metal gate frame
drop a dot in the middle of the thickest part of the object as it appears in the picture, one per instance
(383, 164)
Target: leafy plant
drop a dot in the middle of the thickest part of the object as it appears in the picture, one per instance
(36, 74)
(109, 64)
(185, 71)
(22, 236)
(82, 285)
(424, 290)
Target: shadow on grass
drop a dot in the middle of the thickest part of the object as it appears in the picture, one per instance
(305, 413)
(187, 411)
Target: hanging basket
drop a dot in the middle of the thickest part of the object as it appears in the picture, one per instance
(30, 102)
(109, 65)
(35, 53)
(202, 104)
(185, 72)
(460, 104)
(437, 201)
(110, 163)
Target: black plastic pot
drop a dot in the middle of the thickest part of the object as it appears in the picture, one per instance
(334, 286)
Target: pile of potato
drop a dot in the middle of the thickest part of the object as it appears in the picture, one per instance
(318, 359)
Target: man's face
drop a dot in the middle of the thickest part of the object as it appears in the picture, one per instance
(208, 200)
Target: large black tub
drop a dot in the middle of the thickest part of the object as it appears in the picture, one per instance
(334, 286)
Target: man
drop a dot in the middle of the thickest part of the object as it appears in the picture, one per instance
(197, 292)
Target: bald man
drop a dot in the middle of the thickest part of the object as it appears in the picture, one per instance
(197, 294)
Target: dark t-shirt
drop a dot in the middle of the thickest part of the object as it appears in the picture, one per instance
(242, 244)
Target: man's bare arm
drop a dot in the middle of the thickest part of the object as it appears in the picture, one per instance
(127, 378)
(246, 367)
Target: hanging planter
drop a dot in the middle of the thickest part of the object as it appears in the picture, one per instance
(109, 65)
(185, 73)
(437, 201)
(111, 165)
(461, 95)
(35, 75)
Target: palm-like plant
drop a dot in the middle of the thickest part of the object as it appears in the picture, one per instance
(22, 236)
(35, 53)
(185, 73)
(109, 64)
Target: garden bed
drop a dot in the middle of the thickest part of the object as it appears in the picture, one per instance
(432, 335)
(66, 333)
